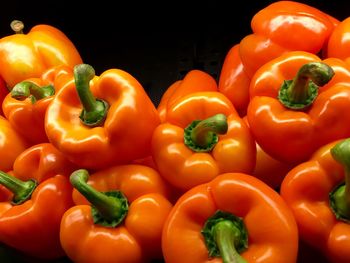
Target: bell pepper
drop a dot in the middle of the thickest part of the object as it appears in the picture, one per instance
(119, 215)
(234, 82)
(233, 218)
(268, 169)
(24, 56)
(278, 28)
(3, 92)
(202, 137)
(318, 193)
(298, 104)
(30, 219)
(113, 128)
(26, 104)
(339, 43)
(11, 145)
(41, 161)
(281, 27)
(194, 81)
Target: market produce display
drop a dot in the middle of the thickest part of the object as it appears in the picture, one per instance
(251, 166)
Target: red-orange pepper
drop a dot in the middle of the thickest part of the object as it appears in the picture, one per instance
(278, 28)
(125, 221)
(234, 218)
(115, 127)
(339, 42)
(24, 56)
(319, 198)
(281, 27)
(11, 145)
(25, 106)
(289, 115)
(194, 81)
(30, 219)
(41, 162)
(234, 82)
(202, 137)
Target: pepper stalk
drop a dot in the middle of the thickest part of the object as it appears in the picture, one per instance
(299, 93)
(340, 196)
(108, 209)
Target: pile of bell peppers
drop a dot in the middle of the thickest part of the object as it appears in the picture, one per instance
(252, 167)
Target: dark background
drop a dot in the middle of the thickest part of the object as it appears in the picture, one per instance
(157, 42)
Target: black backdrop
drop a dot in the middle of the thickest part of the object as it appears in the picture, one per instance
(157, 42)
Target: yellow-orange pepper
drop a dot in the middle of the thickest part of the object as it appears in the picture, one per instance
(24, 56)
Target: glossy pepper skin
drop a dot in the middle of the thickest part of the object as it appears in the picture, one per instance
(339, 43)
(306, 189)
(115, 127)
(234, 82)
(292, 135)
(278, 28)
(11, 145)
(194, 81)
(32, 224)
(41, 162)
(185, 167)
(281, 27)
(42, 48)
(137, 236)
(3, 92)
(268, 169)
(272, 234)
(26, 104)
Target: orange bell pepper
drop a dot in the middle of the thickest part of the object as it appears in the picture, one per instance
(268, 169)
(126, 218)
(30, 219)
(203, 137)
(281, 27)
(235, 217)
(11, 145)
(339, 43)
(3, 92)
(41, 161)
(26, 104)
(319, 198)
(303, 117)
(278, 28)
(24, 56)
(115, 127)
(234, 82)
(194, 81)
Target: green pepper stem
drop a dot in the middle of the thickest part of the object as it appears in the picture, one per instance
(341, 153)
(111, 209)
(22, 191)
(225, 236)
(94, 110)
(225, 233)
(201, 136)
(17, 26)
(303, 89)
(27, 89)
